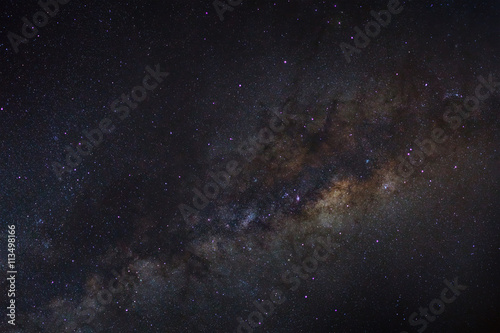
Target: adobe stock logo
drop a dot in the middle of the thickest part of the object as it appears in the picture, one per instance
(221, 7)
(121, 108)
(372, 29)
(326, 248)
(454, 117)
(84, 314)
(248, 150)
(40, 19)
(437, 305)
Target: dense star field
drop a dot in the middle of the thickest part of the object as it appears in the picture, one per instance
(249, 166)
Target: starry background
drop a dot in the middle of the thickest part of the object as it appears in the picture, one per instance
(332, 171)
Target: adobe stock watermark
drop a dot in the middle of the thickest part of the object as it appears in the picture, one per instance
(437, 306)
(372, 29)
(222, 7)
(248, 150)
(121, 108)
(86, 311)
(40, 19)
(308, 266)
(454, 118)
(11, 273)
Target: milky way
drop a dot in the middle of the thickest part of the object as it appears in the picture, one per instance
(268, 183)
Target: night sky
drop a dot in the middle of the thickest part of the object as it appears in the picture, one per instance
(250, 166)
